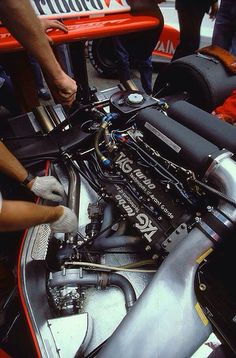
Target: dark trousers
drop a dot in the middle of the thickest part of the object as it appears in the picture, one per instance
(137, 48)
(144, 66)
(7, 95)
(224, 34)
(190, 20)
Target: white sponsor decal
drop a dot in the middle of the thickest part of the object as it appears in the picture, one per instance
(125, 163)
(72, 8)
(122, 202)
(126, 166)
(163, 137)
(145, 226)
(144, 223)
(5, 36)
(166, 47)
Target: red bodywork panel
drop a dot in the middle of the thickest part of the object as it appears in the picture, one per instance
(87, 28)
(20, 289)
(167, 43)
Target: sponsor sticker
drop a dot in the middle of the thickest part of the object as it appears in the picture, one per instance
(163, 137)
(142, 221)
(73, 8)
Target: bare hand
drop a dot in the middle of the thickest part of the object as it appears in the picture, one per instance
(48, 25)
(63, 89)
(213, 10)
(53, 24)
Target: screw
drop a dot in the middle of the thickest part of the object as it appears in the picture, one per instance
(202, 287)
(148, 248)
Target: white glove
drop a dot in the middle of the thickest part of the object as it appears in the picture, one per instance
(48, 188)
(68, 222)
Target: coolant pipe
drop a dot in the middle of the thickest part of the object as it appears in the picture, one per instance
(107, 119)
(116, 241)
(73, 194)
(222, 175)
(120, 281)
(167, 321)
(74, 277)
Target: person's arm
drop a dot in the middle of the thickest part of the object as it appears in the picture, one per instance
(10, 165)
(18, 215)
(21, 20)
(214, 9)
(46, 187)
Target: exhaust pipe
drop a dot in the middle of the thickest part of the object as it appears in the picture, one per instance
(167, 320)
(73, 195)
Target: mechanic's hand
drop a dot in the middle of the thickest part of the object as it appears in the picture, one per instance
(47, 187)
(52, 24)
(213, 10)
(67, 222)
(63, 89)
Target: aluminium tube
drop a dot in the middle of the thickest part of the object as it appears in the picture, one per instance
(222, 174)
(125, 286)
(74, 277)
(73, 194)
(164, 323)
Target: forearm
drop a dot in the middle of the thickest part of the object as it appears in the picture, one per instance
(18, 215)
(10, 165)
(21, 20)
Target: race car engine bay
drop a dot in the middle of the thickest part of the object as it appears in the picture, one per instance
(138, 194)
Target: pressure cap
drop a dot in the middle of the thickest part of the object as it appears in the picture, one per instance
(135, 98)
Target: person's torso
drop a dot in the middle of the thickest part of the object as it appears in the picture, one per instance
(188, 4)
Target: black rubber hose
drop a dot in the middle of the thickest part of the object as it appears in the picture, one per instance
(74, 277)
(125, 286)
(102, 243)
(98, 136)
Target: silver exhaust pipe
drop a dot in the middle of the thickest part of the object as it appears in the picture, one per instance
(73, 195)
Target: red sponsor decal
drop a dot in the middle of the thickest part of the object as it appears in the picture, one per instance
(107, 2)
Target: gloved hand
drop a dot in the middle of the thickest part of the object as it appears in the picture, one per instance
(68, 222)
(48, 187)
